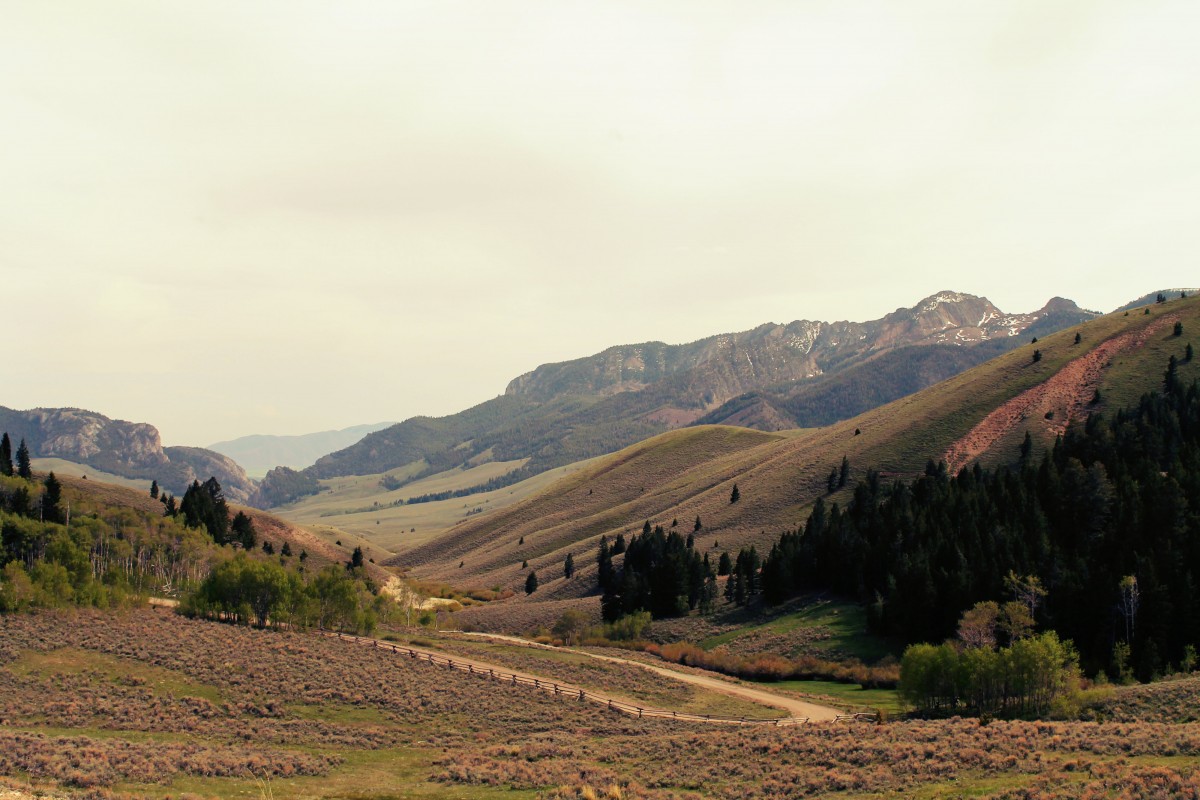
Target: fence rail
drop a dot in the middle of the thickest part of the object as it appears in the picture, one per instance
(576, 693)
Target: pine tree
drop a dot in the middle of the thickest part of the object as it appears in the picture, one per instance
(1178, 329)
(1037, 356)
(242, 529)
(23, 467)
(356, 559)
(268, 548)
(531, 583)
(52, 500)
(569, 566)
(524, 565)
(154, 489)
(6, 463)
(1187, 356)
(844, 472)
(831, 483)
(286, 550)
(725, 564)
(1078, 338)
(697, 526)
(735, 495)
(604, 565)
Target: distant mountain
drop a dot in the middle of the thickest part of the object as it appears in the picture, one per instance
(564, 412)
(259, 453)
(128, 449)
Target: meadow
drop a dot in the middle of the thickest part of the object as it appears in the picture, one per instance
(147, 704)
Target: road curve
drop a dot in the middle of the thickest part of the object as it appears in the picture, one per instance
(794, 707)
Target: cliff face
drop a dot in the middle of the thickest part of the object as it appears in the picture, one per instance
(715, 370)
(129, 449)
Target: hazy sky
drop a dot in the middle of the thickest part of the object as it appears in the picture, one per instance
(279, 217)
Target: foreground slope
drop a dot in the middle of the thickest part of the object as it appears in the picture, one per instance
(982, 415)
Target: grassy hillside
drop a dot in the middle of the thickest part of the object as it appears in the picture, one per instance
(981, 415)
(361, 506)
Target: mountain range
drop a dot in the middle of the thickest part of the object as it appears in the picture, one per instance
(772, 377)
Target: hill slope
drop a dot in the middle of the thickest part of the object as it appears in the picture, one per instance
(981, 414)
(569, 411)
(128, 449)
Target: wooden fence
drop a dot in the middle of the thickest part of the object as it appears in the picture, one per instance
(576, 693)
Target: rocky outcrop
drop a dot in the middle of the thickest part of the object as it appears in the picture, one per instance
(128, 449)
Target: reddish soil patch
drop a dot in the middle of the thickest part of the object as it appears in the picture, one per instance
(1067, 393)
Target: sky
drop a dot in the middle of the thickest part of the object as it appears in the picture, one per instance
(240, 216)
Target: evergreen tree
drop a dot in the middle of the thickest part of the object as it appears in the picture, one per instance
(268, 548)
(24, 469)
(1037, 356)
(1178, 329)
(1187, 356)
(52, 500)
(242, 530)
(1078, 338)
(1027, 446)
(604, 565)
(697, 526)
(286, 550)
(831, 483)
(203, 506)
(356, 559)
(531, 583)
(6, 462)
(725, 564)
(171, 508)
(844, 472)
(619, 545)
(569, 566)
(735, 495)
(154, 489)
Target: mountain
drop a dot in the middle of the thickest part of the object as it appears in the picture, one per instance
(127, 449)
(980, 415)
(565, 412)
(258, 453)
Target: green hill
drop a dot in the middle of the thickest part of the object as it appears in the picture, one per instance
(979, 415)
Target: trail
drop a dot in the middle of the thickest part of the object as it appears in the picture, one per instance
(795, 707)
(801, 711)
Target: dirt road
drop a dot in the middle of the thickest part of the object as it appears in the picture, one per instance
(794, 707)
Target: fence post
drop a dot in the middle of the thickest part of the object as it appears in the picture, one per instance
(581, 695)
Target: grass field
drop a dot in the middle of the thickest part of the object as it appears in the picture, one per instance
(360, 506)
(60, 468)
(149, 705)
(831, 629)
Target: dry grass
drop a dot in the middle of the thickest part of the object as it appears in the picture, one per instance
(149, 704)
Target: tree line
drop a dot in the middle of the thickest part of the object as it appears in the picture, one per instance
(1104, 520)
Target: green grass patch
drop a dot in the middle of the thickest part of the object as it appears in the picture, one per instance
(887, 700)
(842, 626)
